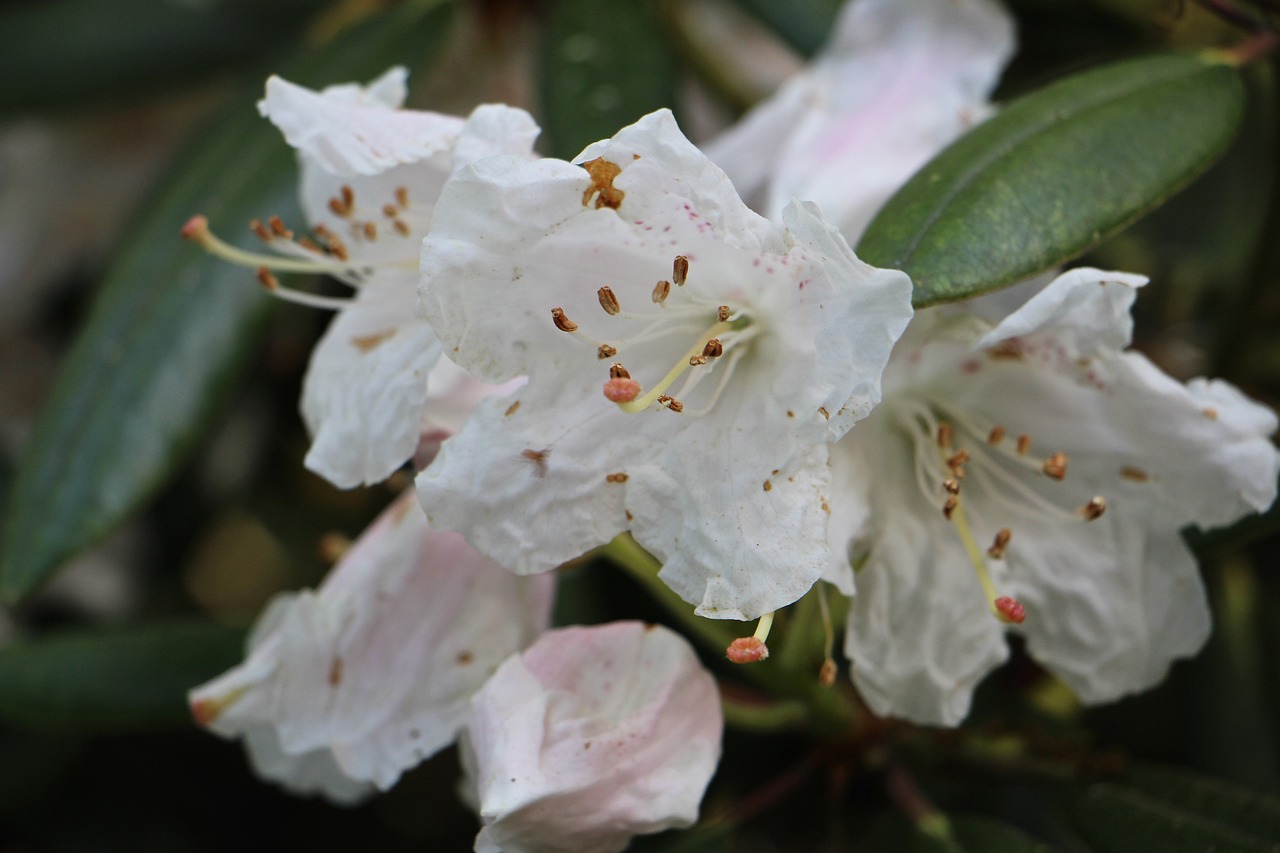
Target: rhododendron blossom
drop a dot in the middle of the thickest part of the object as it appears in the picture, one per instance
(897, 81)
(346, 687)
(589, 737)
(688, 364)
(1033, 476)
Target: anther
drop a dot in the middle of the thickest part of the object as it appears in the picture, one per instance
(697, 360)
(401, 228)
(997, 433)
(609, 300)
(617, 371)
(269, 281)
(310, 245)
(713, 349)
(996, 551)
(606, 351)
(1094, 508)
(562, 322)
(1056, 466)
(371, 231)
(1024, 444)
(723, 313)
(951, 485)
(337, 209)
(661, 291)
(402, 196)
(259, 229)
(827, 673)
(278, 229)
(680, 270)
(348, 196)
(671, 403)
(1009, 610)
(956, 462)
(949, 507)
(390, 211)
(945, 435)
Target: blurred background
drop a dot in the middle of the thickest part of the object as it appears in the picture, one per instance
(149, 560)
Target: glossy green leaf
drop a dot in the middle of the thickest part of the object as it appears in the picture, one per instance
(601, 71)
(1054, 173)
(118, 679)
(171, 329)
(63, 51)
(804, 24)
(1151, 808)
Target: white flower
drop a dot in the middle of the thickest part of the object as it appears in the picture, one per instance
(747, 348)
(370, 177)
(1067, 467)
(347, 687)
(589, 737)
(899, 80)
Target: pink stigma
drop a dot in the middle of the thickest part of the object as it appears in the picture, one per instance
(621, 390)
(1010, 610)
(747, 650)
(194, 227)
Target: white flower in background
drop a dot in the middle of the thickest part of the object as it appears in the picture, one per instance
(345, 688)
(370, 175)
(589, 737)
(899, 80)
(1033, 476)
(747, 348)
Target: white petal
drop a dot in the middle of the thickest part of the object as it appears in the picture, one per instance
(1087, 309)
(365, 391)
(591, 736)
(898, 81)
(348, 134)
(377, 667)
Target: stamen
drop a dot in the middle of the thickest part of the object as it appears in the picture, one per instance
(371, 231)
(206, 711)
(827, 673)
(337, 209)
(945, 435)
(1094, 508)
(752, 649)
(278, 229)
(671, 403)
(197, 231)
(949, 506)
(401, 228)
(562, 322)
(1003, 608)
(402, 196)
(389, 211)
(956, 463)
(1000, 543)
(348, 196)
(255, 224)
(661, 291)
(996, 434)
(1024, 444)
(1056, 466)
(609, 300)
(713, 349)
(272, 285)
(617, 371)
(723, 313)
(606, 351)
(951, 485)
(680, 270)
(697, 360)
(680, 367)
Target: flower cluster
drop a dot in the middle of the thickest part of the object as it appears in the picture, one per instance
(619, 344)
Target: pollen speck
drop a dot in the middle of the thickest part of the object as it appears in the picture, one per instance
(619, 477)
(1136, 475)
(1210, 413)
(768, 486)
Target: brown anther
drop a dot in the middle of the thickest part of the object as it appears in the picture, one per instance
(401, 228)
(348, 196)
(957, 459)
(1055, 466)
(338, 249)
(269, 281)
(945, 435)
(1210, 413)
(723, 313)
(680, 270)
(371, 231)
(390, 211)
(310, 245)
(278, 229)
(617, 371)
(402, 196)
(332, 547)
(1024, 444)
(264, 234)
(337, 209)
(996, 551)
(996, 434)
(951, 485)
(1136, 475)
(671, 403)
(768, 485)
(827, 673)
(602, 173)
(697, 360)
(1093, 509)
(606, 351)
(713, 349)
(620, 477)
(661, 291)
(949, 506)
(609, 300)
(562, 322)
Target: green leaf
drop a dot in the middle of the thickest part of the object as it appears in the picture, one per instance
(1151, 808)
(1055, 173)
(171, 329)
(73, 50)
(111, 680)
(602, 71)
(804, 24)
